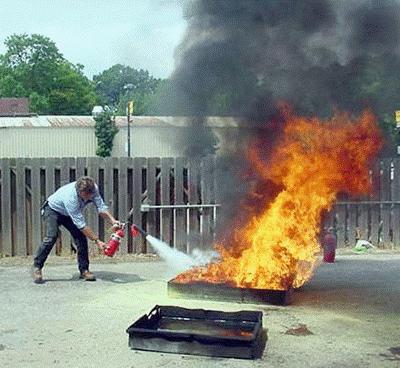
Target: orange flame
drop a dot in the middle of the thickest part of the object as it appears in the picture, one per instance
(312, 163)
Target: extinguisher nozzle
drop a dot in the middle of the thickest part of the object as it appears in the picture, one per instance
(136, 230)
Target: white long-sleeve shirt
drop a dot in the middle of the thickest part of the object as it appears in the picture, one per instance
(67, 202)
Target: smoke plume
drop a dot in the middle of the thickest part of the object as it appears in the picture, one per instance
(241, 58)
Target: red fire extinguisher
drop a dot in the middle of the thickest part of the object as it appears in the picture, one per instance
(114, 242)
(116, 237)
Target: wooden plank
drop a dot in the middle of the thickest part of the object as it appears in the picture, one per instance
(50, 178)
(352, 224)
(363, 216)
(375, 211)
(57, 184)
(341, 225)
(180, 218)
(50, 184)
(108, 192)
(123, 197)
(193, 197)
(93, 164)
(375, 224)
(396, 197)
(385, 195)
(101, 222)
(80, 167)
(36, 204)
(206, 196)
(151, 224)
(165, 198)
(66, 164)
(219, 173)
(130, 204)
(213, 185)
(28, 163)
(108, 184)
(138, 164)
(20, 247)
(6, 237)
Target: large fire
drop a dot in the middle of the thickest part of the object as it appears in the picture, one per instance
(312, 162)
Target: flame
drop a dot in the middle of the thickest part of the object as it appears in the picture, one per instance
(312, 162)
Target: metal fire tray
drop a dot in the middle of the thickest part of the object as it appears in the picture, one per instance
(223, 292)
(179, 330)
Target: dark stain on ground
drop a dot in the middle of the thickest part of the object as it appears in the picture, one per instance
(300, 330)
(394, 354)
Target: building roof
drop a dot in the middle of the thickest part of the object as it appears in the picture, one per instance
(14, 106)
(72, 121)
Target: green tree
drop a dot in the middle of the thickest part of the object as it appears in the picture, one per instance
(33, 67)
(120, 84)
(105, 131)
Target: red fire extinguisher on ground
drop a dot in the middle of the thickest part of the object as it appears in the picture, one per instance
(329, 246)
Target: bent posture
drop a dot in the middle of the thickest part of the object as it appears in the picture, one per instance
(65, 207)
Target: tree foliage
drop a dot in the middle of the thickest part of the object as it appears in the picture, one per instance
(105, 131)
(120, 84)
(33, 67)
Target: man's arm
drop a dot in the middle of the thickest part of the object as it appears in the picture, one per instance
(109, 217)
(88, 232)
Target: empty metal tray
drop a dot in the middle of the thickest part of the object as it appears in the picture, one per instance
(199, 332)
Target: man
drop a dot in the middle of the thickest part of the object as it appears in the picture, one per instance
(64, 207)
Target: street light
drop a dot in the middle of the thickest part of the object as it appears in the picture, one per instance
(128, 87)
(129, 113)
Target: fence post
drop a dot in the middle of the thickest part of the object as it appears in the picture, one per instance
(165, 191)
(137, 177)
(20, 180)
(6, 240)
(193, 196)
(123, 196)
(375, 208)
(396, 197)
(180, 218)
(385, 196)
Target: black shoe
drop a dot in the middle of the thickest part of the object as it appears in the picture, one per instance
(87, 276)
(37, 276)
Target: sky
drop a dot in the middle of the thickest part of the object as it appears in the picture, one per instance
(142, 34)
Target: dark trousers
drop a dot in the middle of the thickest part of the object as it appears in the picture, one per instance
(53, 220)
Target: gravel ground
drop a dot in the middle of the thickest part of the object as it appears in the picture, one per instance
(347, 316)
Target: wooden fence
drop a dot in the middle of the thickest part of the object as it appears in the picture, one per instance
(124, 183)
(376, 217)
(166, 196)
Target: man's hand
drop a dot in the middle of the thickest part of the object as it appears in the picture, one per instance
(101, 244)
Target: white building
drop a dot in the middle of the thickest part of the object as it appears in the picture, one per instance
(73, 136)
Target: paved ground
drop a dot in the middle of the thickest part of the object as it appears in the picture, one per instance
(347, 316)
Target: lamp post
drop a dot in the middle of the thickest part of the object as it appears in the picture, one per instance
(129, 112)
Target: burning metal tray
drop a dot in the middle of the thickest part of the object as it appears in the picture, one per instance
(223, 292)
(199, 332)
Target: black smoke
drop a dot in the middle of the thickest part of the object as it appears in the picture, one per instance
(242, 57)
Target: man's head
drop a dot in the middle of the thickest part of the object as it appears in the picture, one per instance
(85, 187)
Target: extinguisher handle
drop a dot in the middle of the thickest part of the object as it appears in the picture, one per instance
(118, 225)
